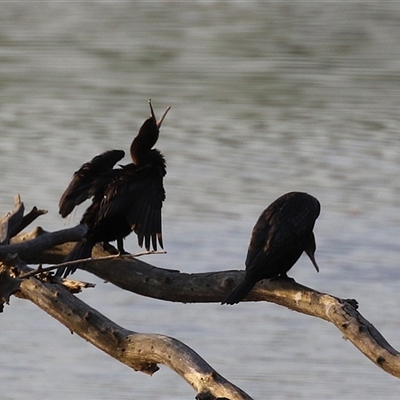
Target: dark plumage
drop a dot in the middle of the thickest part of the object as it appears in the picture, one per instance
(124, 199)
(283, 231)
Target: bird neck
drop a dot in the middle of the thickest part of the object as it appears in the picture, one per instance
(144, 141)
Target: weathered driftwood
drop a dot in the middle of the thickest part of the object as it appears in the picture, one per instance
(147, 280)
(9, 223)
(140, 351)
(43, 240)
(15, 221)
(171, 285)
(8, 285)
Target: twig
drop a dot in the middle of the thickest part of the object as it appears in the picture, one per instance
(40, 269)
(146, 253)
(29, 218)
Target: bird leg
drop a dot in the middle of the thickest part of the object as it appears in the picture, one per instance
(109, 248)
(120, 245)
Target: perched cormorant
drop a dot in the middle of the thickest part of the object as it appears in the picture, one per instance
(125, 199)
(283, 231)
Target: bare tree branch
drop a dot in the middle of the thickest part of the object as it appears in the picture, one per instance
(171, 285)
(142, 352)
(29, 218)
(10, 223)
(145, 279)
(8, 285)
(42, 241)
(51, 250)
(14, 222)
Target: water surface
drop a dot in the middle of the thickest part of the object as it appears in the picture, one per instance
(267, 97)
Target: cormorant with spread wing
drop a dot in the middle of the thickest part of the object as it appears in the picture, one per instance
(124, 199)
(283, 231)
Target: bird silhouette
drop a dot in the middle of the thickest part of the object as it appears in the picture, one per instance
(283, 231)
(124, 199)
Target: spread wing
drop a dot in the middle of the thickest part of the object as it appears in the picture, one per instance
(137, 193)
(87, 180)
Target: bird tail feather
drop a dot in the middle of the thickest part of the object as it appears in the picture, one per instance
(80, 251)
(240, 292)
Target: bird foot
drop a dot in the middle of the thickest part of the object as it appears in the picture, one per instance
(147, 252)
(109, 248)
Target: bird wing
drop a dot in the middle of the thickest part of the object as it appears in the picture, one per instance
(281, 228)
(87, 180)
(137, 193)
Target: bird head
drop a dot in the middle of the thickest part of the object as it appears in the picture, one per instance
(147, 136)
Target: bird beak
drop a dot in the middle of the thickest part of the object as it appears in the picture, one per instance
(159, 122)
(310, 254)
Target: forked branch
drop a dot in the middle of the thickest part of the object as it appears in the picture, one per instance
(147, 280)
(139, 277)
(142, 352)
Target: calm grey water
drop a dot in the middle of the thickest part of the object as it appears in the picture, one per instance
(267, 97)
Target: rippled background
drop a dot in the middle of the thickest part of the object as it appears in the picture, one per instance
(267, 97)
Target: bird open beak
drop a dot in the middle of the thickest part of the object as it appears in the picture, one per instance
(159, 122)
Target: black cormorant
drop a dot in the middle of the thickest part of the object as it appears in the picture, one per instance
(283, 231)
(124, 199)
